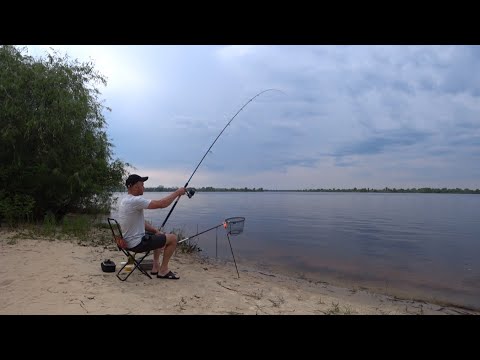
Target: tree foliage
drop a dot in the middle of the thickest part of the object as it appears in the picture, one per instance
(54, 152)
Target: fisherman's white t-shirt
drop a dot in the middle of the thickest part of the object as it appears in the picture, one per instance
(131, 218)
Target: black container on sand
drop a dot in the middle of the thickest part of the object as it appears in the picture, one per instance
(108, 266)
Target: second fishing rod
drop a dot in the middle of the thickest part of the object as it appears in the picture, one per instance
(190, 191)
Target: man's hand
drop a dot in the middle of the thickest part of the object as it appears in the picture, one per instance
(150, 228)
(181, 191)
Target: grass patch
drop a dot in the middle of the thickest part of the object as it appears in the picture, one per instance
(77, 225)
(336, 310)
(85, 229)
(186, 247)
(49, 226)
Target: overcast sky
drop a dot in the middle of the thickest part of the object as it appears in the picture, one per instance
(346, 116)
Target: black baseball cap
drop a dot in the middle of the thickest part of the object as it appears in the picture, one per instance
(134, 178)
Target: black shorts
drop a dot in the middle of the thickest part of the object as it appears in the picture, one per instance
(150, 242)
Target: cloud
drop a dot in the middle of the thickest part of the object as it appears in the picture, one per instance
(233, 51)
(462, 73)
(383, 141)
(348, 115)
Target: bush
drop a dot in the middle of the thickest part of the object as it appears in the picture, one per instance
(52, 138)
(16, 208)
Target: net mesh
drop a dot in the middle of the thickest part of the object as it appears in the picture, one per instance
(234, 225)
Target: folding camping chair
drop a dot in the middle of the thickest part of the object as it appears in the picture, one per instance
(122, 245)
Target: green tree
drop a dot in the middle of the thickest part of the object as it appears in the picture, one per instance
(54, 152)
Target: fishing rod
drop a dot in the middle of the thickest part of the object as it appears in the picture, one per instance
(233, 225)
(200, 233)
(191, 191)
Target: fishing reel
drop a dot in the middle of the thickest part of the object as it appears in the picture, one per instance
(190, 192)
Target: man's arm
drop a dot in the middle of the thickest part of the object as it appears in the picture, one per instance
(150, 228)
(166, 201)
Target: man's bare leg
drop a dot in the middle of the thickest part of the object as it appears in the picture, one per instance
(168, 250)
(156, 260)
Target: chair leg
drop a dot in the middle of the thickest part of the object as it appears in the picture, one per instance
(120, 271)
(136, 266)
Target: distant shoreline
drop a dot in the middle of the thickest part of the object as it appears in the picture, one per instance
(360, 190)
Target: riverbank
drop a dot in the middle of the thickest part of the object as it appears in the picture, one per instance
(44, 276)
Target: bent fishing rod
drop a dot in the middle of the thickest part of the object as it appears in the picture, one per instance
(190, 192)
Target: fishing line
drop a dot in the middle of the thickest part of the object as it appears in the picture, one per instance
(191, 191)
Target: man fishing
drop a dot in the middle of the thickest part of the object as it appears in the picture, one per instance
(133, 223)
(141, 236)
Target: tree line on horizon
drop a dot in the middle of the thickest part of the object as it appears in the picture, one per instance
(162, 188)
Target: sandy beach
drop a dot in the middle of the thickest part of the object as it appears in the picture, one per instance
(44, 276)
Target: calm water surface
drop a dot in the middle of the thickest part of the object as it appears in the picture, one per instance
(413, 245)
